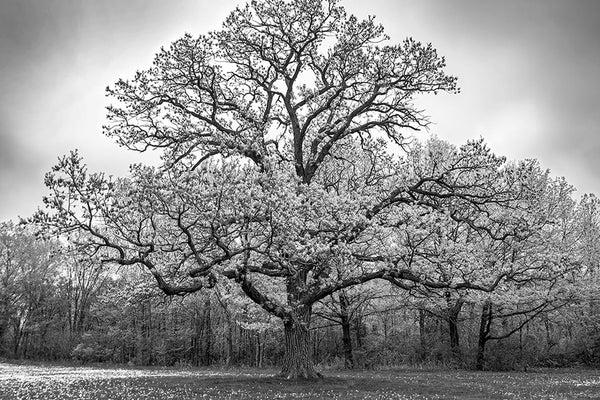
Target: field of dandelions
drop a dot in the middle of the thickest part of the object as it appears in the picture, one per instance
(49, 382)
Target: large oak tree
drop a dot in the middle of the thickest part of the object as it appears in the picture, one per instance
(276, 171)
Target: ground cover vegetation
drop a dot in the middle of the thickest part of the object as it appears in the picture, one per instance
(91, 383)
(298, 220)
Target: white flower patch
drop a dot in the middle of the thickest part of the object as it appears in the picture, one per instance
(30, 373)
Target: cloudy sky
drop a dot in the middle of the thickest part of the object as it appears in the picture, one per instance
(529, 71)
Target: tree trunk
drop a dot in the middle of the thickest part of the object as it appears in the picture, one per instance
(259, 354)
(298, 358)
(347, 341)
(549, 342)
(346, 338)
(149, 336)
(3, 326)
(453, 313)
(230, 353)
(229, 339)
(359, 330)
(484, 331)
(207, 357)
(19, 324)
(422, 331)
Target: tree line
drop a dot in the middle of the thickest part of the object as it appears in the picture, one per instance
(55, 306)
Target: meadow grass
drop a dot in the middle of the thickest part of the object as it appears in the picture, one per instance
(38, 381)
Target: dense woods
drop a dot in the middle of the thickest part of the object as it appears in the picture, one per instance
(296, 221)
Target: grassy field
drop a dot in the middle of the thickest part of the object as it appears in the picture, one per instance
(60, 382)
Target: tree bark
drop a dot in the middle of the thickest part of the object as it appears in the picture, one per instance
(298, 358)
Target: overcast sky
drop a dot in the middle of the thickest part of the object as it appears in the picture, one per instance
(529, 72)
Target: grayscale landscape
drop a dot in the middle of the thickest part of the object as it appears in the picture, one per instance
(299, 199)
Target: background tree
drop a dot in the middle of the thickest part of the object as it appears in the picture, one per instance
(344, 308)
(82, 281)
(28, 304)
